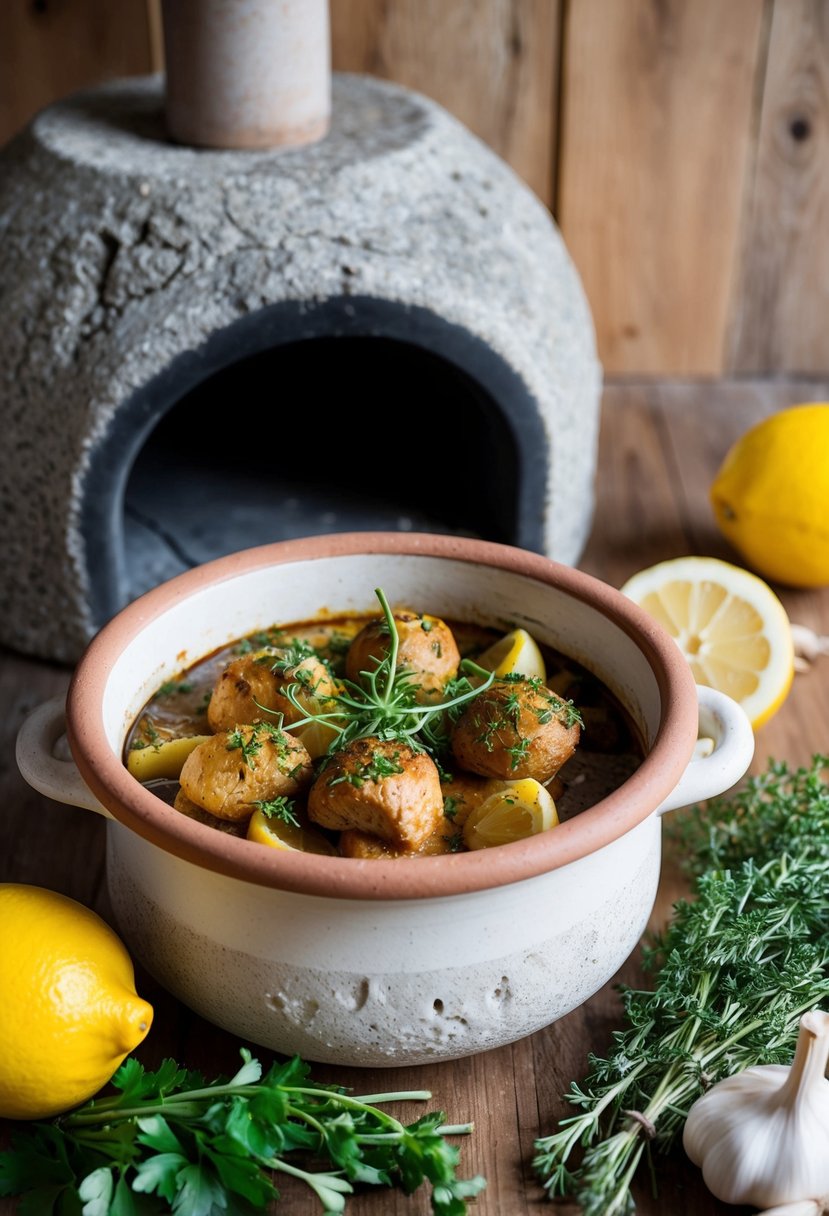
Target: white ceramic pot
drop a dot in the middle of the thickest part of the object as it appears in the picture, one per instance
(384, 962)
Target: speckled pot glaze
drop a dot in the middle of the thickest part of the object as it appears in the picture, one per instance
(384, 962)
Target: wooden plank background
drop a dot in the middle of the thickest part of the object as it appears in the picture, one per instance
(682, 147)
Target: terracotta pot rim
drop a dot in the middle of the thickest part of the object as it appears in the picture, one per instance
(431, 877)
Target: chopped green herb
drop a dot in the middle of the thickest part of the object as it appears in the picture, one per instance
(450, 807)
(338, 643)
(250, 748)
(282, 808)
(375, 769)
(455, 842)
(426, 625)
(149, 737)
(173, 686)
(518, 751)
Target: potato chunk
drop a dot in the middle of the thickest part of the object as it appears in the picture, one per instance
(234, 769)
(233, 827)
(263, 678)
(427, 648)
(516, 728)
(382, 787)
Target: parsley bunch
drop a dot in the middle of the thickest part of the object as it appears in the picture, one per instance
(167, 1141)
(734, 972)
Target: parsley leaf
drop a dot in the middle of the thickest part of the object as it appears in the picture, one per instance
(209, 1149)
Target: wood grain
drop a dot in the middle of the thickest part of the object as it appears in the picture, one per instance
(656, 123)
(779, 310)
(492, 63)
(51, 47)
(660, 445)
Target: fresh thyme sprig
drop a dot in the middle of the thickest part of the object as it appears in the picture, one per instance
(384, 706)
(167, 1141)
(734, 971)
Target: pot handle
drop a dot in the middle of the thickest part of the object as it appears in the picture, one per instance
(39, 738)
(724, 725)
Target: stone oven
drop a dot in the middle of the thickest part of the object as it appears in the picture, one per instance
(207, 350)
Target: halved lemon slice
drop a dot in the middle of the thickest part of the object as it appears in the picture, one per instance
(278, 834)
(729, 624)
(519, 809)
(516, 653)
(163, 759)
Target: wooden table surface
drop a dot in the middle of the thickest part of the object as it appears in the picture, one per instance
(660, 446)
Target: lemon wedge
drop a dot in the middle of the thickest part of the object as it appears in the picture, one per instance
(163, 759)
(729, 624)
(277, 834)
(515, 653)
(517, 810)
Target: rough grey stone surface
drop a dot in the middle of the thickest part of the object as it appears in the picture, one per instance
(119, 251)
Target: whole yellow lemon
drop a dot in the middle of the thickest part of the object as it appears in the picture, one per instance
(69, 1013)
(771, 496)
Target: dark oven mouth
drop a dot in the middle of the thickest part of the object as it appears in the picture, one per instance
(302, 419)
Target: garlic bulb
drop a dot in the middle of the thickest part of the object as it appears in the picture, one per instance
(762, 1136)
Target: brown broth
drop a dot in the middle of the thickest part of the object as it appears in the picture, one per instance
(609, 750)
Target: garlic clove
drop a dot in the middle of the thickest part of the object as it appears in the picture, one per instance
(808, 646)
(761, 1136)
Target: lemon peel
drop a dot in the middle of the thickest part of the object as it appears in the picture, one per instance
(516, 652)
(277, 834)
(70, 1010)
(770, 496)
(517, 810)
(729, 624)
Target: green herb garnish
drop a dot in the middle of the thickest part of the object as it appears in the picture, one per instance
(282, 808)
(169, 687)
(374, 769)
(385, 705)
(734, 971)
(169, 1141)
(450, 807)
(149, 738)
(251, 747)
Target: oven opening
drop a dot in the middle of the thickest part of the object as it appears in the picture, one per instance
(329, 435)
(288, 427)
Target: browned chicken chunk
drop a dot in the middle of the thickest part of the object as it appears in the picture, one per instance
(460, 796)
(427, 649)
(462, 793)
(263, 678)
(516, 728)
(227, 774)
(382, 787)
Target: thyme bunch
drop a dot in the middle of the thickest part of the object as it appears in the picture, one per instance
(734, 971)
